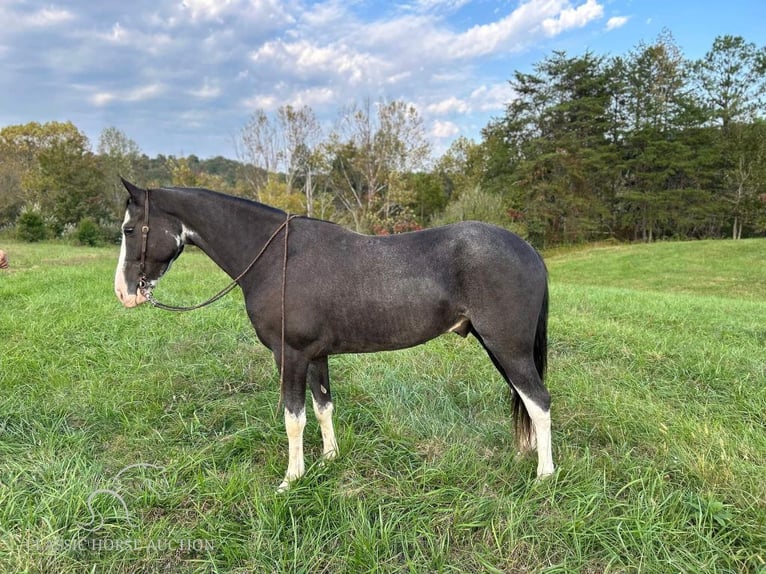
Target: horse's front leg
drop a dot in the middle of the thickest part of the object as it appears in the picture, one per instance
(294, 397)
(319, 382)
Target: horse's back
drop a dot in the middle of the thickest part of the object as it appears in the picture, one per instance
(447, 254)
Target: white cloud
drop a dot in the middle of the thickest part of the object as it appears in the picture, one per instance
(206, 9)
(519, 28)
(48, 17)
(448, 106)
(15, 20)
(440, 5)
(118, 34)
(616, 22)
(313, 97)
(151, 42)
(259, 101)
(261, 13)
(325, 15)
(489, 98)
(136, 95)
(570, 18)
(444, 129)
(309, 60)
(206, 91)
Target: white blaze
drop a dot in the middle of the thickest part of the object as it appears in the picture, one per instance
(120, 283)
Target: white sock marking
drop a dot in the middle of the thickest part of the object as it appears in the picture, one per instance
(324, 417)
(541, 421)
(294, 425)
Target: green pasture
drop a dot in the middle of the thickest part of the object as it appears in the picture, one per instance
(144, 441)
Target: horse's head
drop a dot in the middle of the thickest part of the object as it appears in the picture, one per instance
(151, 241)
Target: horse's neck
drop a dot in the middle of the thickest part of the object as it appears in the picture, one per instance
(229, 231)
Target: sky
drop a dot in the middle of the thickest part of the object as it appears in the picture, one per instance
(183, 77)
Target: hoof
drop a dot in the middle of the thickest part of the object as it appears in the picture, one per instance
(544, 474)
(330, 454)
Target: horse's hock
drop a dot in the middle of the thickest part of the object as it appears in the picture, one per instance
(3, 259)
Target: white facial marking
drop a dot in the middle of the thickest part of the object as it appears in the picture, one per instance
(324, 417)
(541, 421)
(120, 283)
(294, 425)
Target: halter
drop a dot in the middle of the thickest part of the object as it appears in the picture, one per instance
(145, 288)
(142, 281)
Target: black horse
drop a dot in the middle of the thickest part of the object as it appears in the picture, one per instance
(329, 291)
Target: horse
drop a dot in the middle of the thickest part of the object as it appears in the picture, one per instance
(324, 290)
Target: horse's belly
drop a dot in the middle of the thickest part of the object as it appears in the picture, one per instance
(395, 327)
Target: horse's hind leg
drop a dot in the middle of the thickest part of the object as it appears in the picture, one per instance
(538, 413)
(532, 401)
(319, 382)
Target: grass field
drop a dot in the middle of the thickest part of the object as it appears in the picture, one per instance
(144, 441)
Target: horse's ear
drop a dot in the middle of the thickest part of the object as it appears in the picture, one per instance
(133, 190)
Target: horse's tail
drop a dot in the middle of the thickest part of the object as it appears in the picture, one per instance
(522, 423)
(541, 337)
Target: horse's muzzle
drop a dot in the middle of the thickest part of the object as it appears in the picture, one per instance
(129, 300)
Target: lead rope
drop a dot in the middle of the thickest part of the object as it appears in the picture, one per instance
(282, 342)
(143, 285)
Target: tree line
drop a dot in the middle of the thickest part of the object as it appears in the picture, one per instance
(643, 146)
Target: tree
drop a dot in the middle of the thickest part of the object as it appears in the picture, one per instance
(558, 161)
(731, 80)
(31, 225)
(118, 156)
(282, 146)
(461, 167)
(58, 171)
(257, 149)
(300, 138)
(367, 157)
(12, 173)
(70, 184)
(477, 204)
(744, 179)
(188, 172)
(659, 114)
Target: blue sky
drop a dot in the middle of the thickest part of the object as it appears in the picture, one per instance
(183, 76)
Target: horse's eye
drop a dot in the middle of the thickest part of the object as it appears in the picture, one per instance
(128, 230)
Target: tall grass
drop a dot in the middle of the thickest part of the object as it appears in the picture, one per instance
(657, 374)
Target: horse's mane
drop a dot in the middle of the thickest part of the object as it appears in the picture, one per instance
(224, 197)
